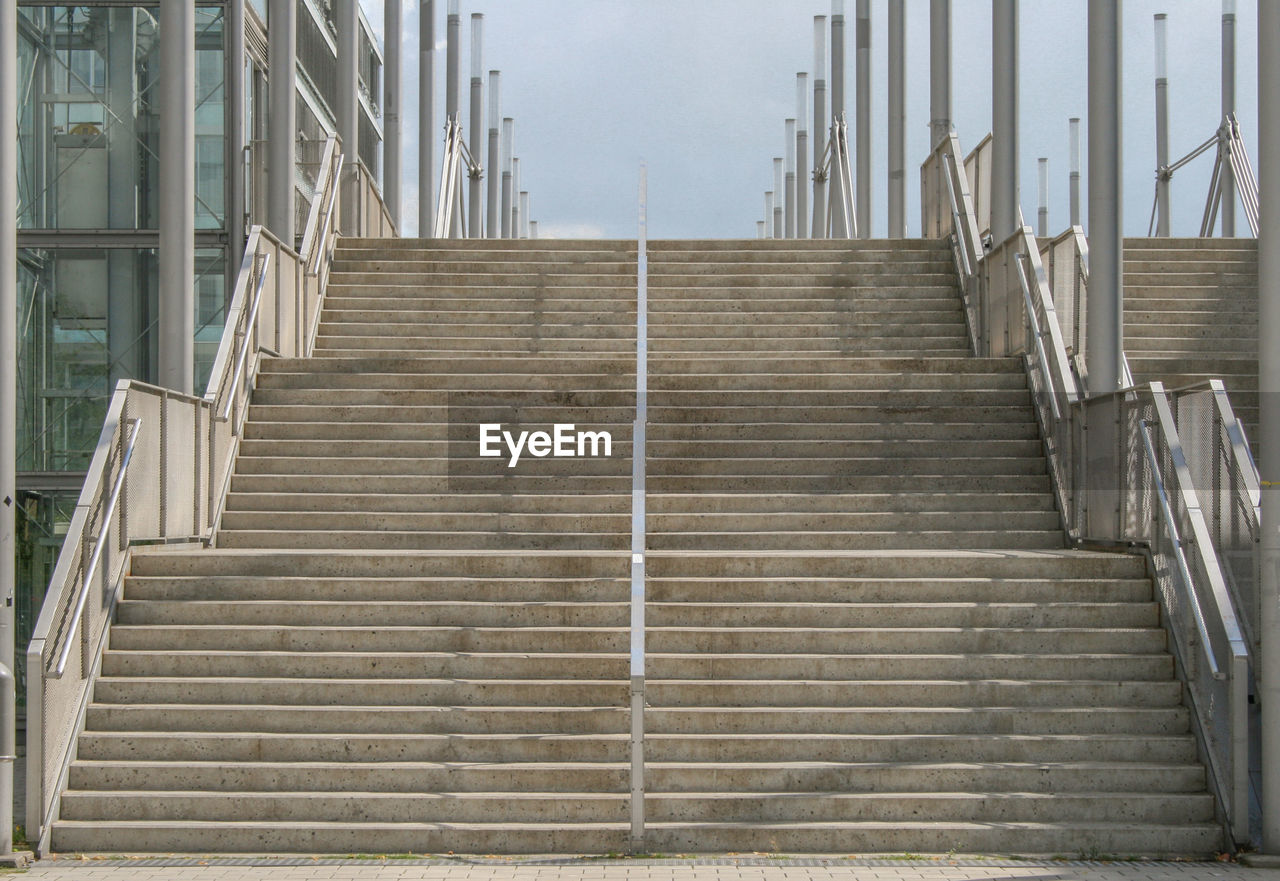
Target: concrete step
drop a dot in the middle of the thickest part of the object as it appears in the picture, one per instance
(423, 613)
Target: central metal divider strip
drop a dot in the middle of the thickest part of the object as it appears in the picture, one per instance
(638, 519)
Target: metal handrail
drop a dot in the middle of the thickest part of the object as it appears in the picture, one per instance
(92, 569)
(1036, 333)
(313, 261)
(249, 326)
(1184, 571)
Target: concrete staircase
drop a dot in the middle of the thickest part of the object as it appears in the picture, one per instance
(864, 634)
(1191, 314)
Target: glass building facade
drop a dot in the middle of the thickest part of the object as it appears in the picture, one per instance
(89, 129)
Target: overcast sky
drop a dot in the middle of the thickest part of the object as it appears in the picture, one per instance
(700, 88)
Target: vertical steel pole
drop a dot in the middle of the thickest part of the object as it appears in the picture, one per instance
(1227, 210)
(476, 221)
(1106, 204)
(759, 229)
(768, 214)
(862, 99)
(282, 125)
(426, 118)
(1004, 119)
(524, 214)
(533, 229)
(177, 194)
(348, 100)
(802, 155)
(235, 136)
(1074, 181)
(839, 226)
(1269, 388)
(1042, 213)
(820, 128)
(515, 197)
(1162, 127)
(508, 147)
(789, 217)
(940, 69)
(897, 119)
(392, 160)
(837, 59)
(779, 189)
(453, 90)
(493, 227)
(8, 398)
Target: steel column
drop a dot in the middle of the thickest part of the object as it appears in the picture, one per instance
(897, 119)
(475, 222)
(393, 29)
(768, 215)
(821, 132)
(1269, 394)
(426, 117)
(493, 223)
(862, 102)
(837, 59)
(779, 189)
(1042, 212)
(282, 124)
(8, 399)
(508, 147)
(1074, 181)
(802, 155)
(524, 214)
(1162, 128)
(515, 198)
(1004, 119)
(453, 90)
(1227, 209)
(236, 141)
(1106, 204)
(177, 194)
(789, 217)
(940, 68)
(347, 13)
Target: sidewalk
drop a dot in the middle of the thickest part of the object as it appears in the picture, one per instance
(717, 869)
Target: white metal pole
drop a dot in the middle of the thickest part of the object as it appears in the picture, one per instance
(1269, 394)
(453, 92)
(515, 198)
(282, 123)
(475, 222)
(779, 227)
(493, 223)
(789, 218)
(837, 59)
(8, 400)
(1106, 204)
(862, 99)
(759, 229)
(508, 147)
(235, 134)
(1227, 210)
(940, 68)
(177, 194)
(1074, 181)
(392, 144)
(768, 214)
(802, 155)
(818, 223)
(897, 119)
(348, 99)
(1004, 119)
(1162, 127)
(1042, 212)
(533, 229)
(524, 214)
(426, 117)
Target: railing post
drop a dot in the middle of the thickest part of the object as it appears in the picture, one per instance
(638, 529)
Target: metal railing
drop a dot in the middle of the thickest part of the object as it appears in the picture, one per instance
(836, 166)
(1231, 153)
(160, 473)
(450, 220)
(1117, 464)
